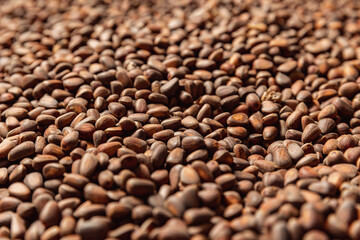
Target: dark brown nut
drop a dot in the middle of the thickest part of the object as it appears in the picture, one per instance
(289, 65)
(243, 223)
(40, 144)
(117, 210)
(94, 228)
(210, 198)
(140, 187)
(310, 133)
(345, 212)
(348, 170)
(335, 226)
(352, 154)
(99, 137)
(344, 108)
(330, 145)
(164, 135)
(53, 170)
(17, 112)
(349, 89)
(202, 170)
(7, 145)
(310, 217)
(238, 119)
(22, 150)
(191, 143)
(226, 181)
(201, 154)
(223, 156)
(253, 101)
(126, 161)
(26, 210)
(9, 203)
(4, 176)
(86, 130)
(18, 226)
(262, 64)
(190, 122)
(346, 141)
(20, 191)
(151, 129)
(70, 141)
(334, 157)
(88, 210)
(50, 214)
(176, 156)
(329, 111)
(95, 193)
(41, 160)
(54, 150)
(88, 164)
(282, 158)
(189, 176)
(175, 204)
(326, 125)
(323, 188)
(336, 178)
(75, 180)
(105, 122)
(127, 124)
(136, 144)
(239, 132)
(270, 133)
(295, 151)
(196, 216)
(170, 88)
(110, 148)
(117, 109)
(51, 232)
(159, 112)
(265, 166)
(256, 122)
(17, 173)
(307, 160)
(65, 120)
(158, 156)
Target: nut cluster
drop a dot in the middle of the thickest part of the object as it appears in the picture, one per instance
(179, 120)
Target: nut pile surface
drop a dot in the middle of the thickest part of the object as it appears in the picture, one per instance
(180, 120)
